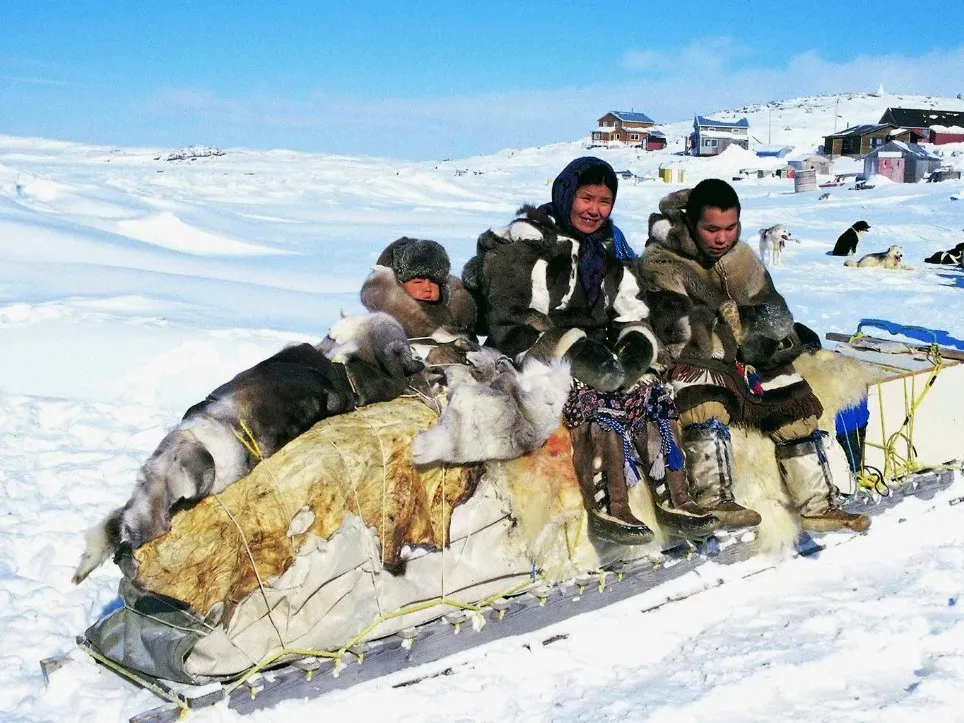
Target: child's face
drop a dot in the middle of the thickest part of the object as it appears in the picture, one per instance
(422, 289)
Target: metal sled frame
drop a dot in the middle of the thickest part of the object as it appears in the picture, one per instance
(525, 613)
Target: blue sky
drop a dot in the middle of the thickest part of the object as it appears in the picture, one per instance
(429, 80)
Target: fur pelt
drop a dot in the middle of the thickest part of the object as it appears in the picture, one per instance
(847, 241)
(892, 258)
(703, 308)
(222, 438)
(495, 412)
(454, 312)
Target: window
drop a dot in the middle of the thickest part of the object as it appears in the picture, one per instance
(634, 137)
(709, 143)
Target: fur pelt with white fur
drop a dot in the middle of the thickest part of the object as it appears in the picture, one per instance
(221, 439)
(495, 412)
(772, 242)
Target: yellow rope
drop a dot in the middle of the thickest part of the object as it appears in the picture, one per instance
(157, 690)
(897, 466)
(337, 655)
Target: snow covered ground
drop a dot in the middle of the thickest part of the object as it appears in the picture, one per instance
(131, 286)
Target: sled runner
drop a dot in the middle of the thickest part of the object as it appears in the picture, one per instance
(338, 556)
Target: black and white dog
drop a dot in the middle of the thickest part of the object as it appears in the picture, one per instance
(847, 241)
(772, 242)
(221, 439)
(951, 257)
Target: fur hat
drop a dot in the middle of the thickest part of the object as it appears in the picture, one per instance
(414, 258)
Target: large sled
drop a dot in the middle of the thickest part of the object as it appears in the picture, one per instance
(337, 561)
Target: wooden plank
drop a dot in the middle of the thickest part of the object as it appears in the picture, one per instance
(946, 352)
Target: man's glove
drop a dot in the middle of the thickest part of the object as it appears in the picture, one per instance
(635, 353)
(593, 364)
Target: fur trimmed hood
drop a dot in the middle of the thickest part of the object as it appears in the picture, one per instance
(725, 309)
(454, 312)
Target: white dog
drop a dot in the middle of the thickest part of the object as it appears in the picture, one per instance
(892, 258)
(772, 241)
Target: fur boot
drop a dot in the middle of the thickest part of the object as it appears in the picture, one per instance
(709, 461)
(806, 473)
(675, 509)
(599, 461)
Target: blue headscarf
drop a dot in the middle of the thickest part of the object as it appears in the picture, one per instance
(592, 253)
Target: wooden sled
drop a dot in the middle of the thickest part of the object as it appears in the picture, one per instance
(536, 565)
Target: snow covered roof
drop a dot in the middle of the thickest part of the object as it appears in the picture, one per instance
(776, 151)
(702, 122)
(922, 117)
(631, 116)
(861, 130)
(947, 129)
(912, 149)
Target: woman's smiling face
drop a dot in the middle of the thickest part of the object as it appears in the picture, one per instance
(591, 207)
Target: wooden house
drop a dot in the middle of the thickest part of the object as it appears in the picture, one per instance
(860, 140)
(901, 162)
(931, 124)
(821, 164)
(630, 128)
(711, 137)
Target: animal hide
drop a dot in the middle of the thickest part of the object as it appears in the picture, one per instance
(495, 411)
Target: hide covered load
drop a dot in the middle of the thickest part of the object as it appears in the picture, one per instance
(338, 538)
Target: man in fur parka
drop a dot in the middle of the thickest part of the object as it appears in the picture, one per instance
(560, 282)
(411, 281)
(730, 341)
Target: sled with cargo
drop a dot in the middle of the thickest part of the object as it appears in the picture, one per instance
(337, 561)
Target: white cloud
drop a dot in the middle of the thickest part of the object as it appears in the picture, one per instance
(706, 76)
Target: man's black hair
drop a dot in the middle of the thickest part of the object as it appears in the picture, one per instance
(711, 193)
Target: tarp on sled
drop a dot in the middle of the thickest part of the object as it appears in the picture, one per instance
(338, 538)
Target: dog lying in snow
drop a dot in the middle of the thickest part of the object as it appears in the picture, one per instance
(221, 439)
(892, 258)
(495, 412)
(951, 257)
(847, 241)
(772, 242)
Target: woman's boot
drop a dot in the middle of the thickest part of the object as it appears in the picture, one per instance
(709, 464)
(675, 508)
(599, 461)
(806, 473)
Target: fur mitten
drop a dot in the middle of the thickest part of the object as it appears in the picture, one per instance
(594, 364)
(635, 353)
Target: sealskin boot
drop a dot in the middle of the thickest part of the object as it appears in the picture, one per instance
(806, 473)
(677, 511)
(597, 456)
(709, 463)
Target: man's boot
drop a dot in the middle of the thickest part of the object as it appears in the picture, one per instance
(709, 464)
(599, 460)
(806, 473)
(675, 508)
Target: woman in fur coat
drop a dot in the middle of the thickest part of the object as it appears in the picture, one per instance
(411, 281)
(560, 282)
(730, 341)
